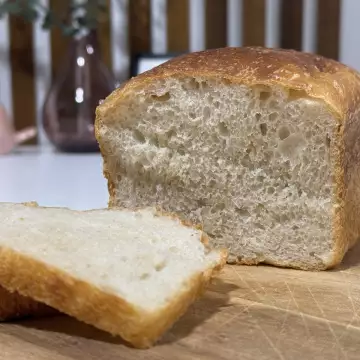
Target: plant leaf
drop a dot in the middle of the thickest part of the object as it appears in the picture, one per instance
(11, 8)
(48, 21)
(69, 31)
(29, 14)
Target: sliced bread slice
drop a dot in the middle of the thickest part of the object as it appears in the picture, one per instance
(259, 145)
(130, 273)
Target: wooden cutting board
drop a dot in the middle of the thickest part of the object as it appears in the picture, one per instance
(248, 313)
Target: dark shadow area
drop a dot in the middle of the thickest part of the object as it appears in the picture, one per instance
(351, 259)
(64, 324)
(216, 298)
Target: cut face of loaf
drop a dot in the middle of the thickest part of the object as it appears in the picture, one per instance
(130, 273)
(258, 145)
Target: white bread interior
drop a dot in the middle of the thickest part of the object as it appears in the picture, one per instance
(253, 164)
(131, 273)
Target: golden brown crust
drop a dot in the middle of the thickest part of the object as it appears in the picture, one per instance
(313, 76)
(321, 78)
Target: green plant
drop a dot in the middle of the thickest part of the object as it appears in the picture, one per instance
(81, 15)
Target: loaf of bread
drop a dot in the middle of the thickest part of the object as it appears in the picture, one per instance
(130, 273)
(261, 146)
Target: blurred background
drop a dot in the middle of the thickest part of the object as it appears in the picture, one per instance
(59, 58)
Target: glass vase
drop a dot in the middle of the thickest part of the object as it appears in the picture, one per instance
(69, 109)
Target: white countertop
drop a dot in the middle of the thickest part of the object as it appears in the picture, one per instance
(52, 178)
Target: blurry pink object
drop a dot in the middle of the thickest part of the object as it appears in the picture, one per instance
(9, 138)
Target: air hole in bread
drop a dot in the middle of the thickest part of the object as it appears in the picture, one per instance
(214, 137)
(226, 82)
(192, 115)
(161, 98)
(263, 129)
(191, 84)
(259, 208)
(169, 134)
(223, 129)
(139, 136)
(327, 141)
(284, 132)
(257, 116)
(144, 276)
(216, 104)
(292, 145)
(270, 190)
(206, 113)
(154, 141)
(297, 94)
(201, 202)
(160, 265)
(204, 85)
(146, 161)
(305, 160)
(249, 148)
(268, 155)
(219, 207)
(273, 104)
(242, 212)
(264, 95)
(212, 183)
(273, 116)
(259, 226)
(181, 150)
(246, 162)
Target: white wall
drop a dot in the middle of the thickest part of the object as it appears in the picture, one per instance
(350, 33)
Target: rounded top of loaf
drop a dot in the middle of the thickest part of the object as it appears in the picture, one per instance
(318, 77)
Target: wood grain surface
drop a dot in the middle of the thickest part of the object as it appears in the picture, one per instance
(247, 313)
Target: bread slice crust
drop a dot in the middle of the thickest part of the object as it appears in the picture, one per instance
(314, 77)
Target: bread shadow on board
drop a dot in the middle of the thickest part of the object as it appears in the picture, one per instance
(351, 259)
(215, 298)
